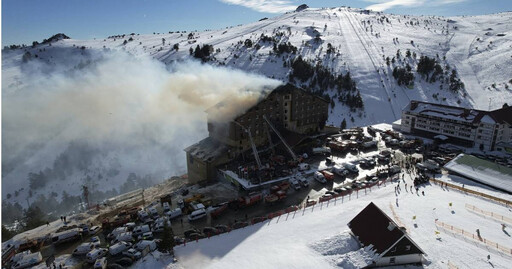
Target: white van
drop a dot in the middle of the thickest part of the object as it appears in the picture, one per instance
(117, 231)
(118, 248)
(126, 236)
(322, 150)
(66, 236)
(166, 207)
(100, 263)
(85, 248)
(141, 245)
(20, 256)
(140, 230)
(174, 213)
(319, 177)
(198, 214)
(95, 254)
(153, 213)
(28, 260)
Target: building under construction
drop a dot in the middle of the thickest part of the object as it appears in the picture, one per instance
(284, 116)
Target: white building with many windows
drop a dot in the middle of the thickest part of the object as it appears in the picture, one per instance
(463, 126)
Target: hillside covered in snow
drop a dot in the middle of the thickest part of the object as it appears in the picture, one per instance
(115, 113)
(318, 237)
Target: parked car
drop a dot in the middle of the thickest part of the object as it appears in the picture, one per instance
(352, 168)
(222, 228)
(146, 236)
(132, 253)
(303, 181)
(190, 231)
(84, 248)
(142, 244)
(367, 163)
(95, 254)
(194, 236)
(166, 207)
(153, 213)
(94, 230)
(339, 189)
(295, 184)
(395, 169)
(319, 177)
(131, 226)
(210, 231)
(340, 171)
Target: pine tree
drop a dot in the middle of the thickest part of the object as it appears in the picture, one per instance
(343, 124)
(34, 217)
(6, 234)
(167, 243)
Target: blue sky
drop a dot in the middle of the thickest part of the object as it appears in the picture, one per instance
(24, 21)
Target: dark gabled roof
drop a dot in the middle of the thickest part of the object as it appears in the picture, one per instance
(373, 227)
(502, 115)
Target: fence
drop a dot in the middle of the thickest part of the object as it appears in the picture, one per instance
(475, 238)
(292, 211)
(473, 192)
(395, 216)
(488, 214)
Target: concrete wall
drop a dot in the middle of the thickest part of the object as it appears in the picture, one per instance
(197, 169)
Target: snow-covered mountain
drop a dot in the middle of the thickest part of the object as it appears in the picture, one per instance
(331, 42)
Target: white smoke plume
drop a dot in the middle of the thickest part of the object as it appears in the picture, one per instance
(138, 108)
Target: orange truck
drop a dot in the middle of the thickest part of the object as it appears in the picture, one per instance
(328, 175)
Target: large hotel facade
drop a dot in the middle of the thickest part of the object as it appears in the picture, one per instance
(287, 108)
(487, 130)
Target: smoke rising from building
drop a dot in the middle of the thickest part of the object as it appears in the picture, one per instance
(136, 111)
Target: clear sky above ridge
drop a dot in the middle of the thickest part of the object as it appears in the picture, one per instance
(24, 21)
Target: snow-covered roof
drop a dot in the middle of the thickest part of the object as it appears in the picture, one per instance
(486, 172)
(468, 115)
(443, 111)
